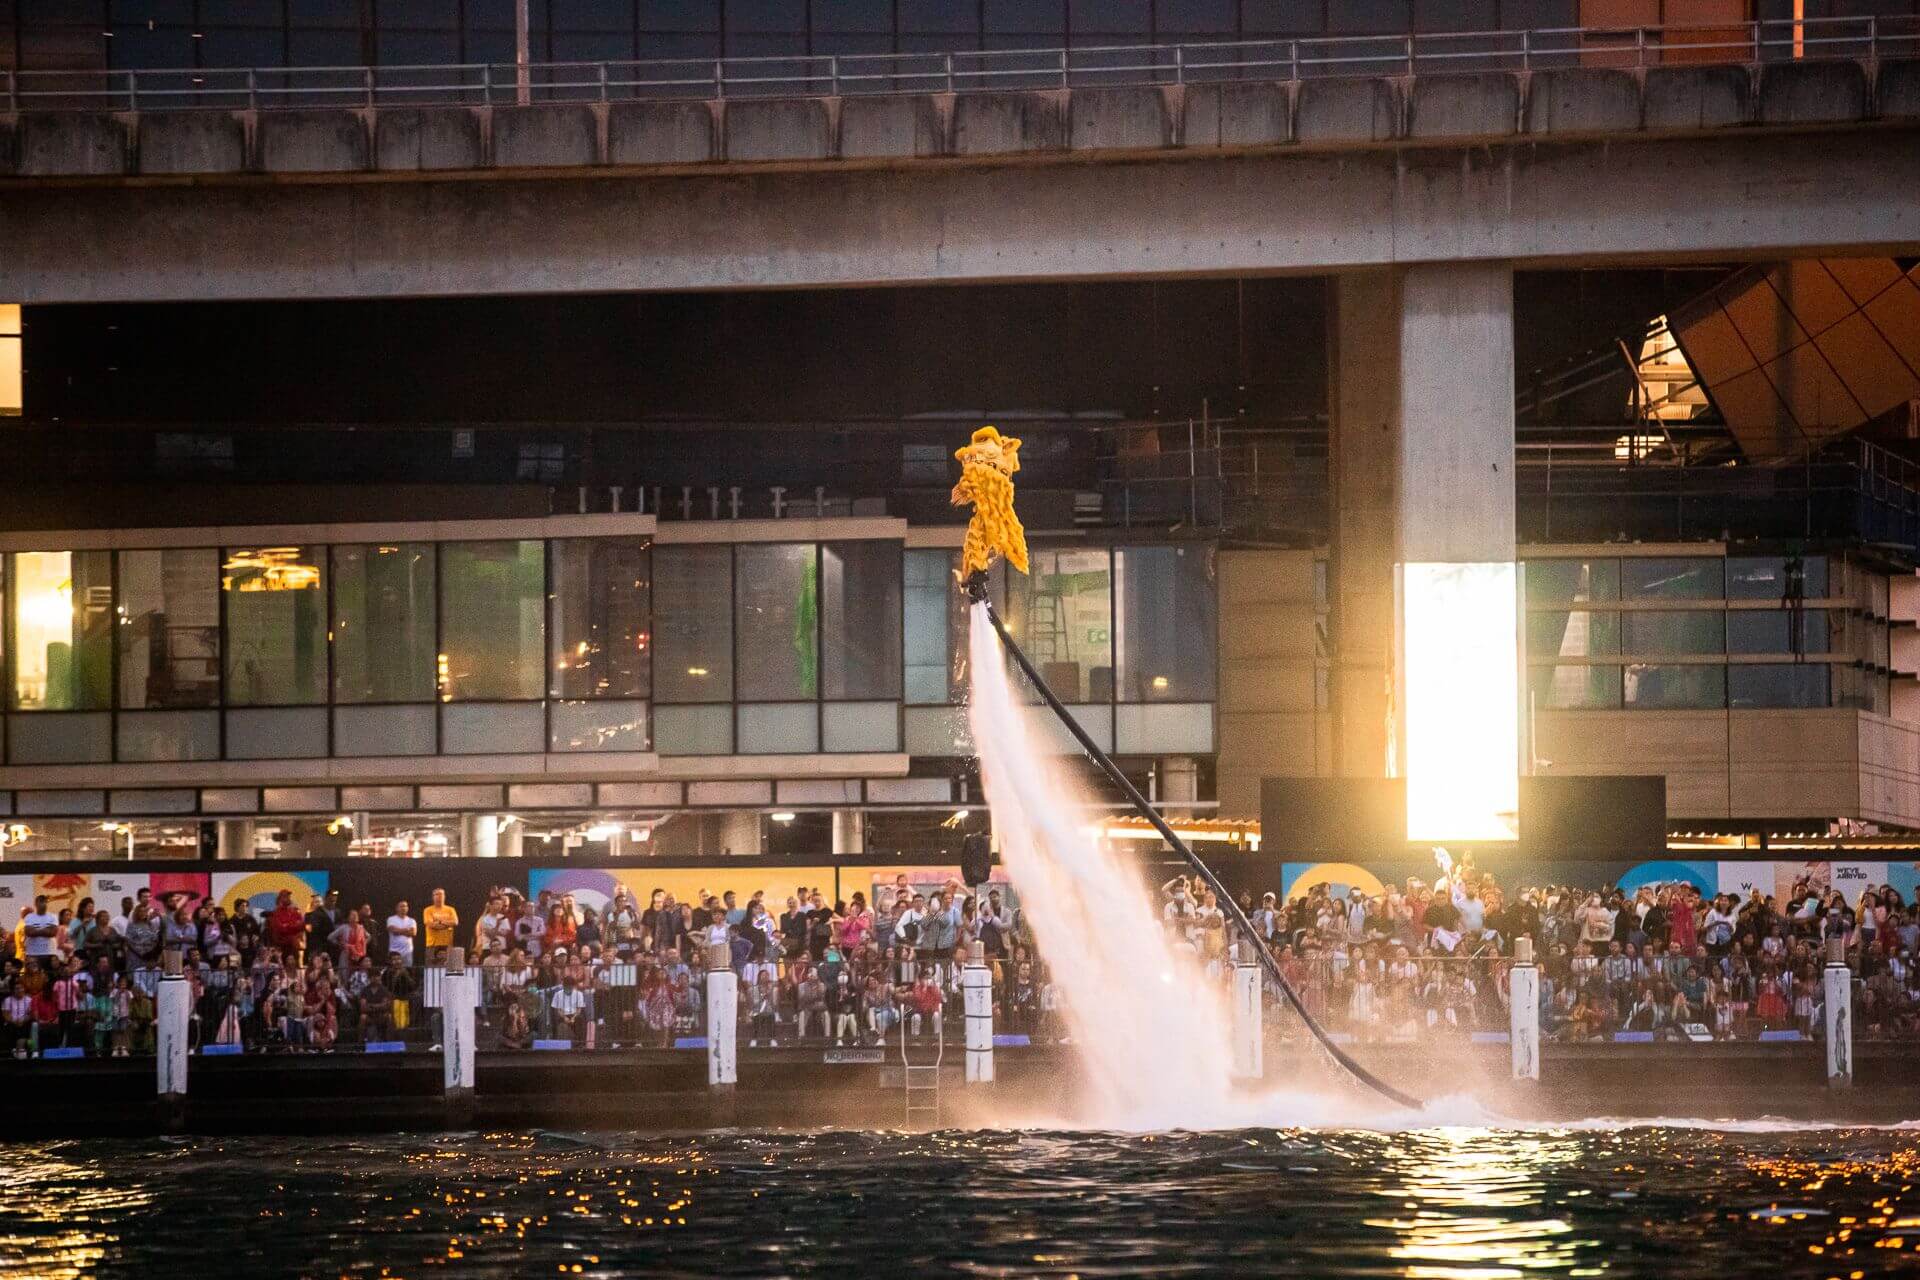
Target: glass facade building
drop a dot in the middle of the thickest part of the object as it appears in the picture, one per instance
(289, 649)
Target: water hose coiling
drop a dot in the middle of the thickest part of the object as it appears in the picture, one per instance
(975, 585)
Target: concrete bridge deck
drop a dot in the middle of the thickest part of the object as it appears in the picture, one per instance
(1439, 109)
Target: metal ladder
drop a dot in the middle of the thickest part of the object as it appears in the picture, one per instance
(921, 1081)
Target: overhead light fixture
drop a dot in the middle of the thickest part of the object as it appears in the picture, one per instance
(602, 831)
(696, 671)
(783, 816)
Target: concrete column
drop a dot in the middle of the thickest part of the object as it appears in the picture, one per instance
(235, 839)
(1179, 783)
(723, 1016)
(736, 832)
(1249, 1033)
(459, 993)
(1839, 1016)
(507, 842)
(480, 835)
(173, 1010)
(1364, 369)
(976, 988)
(1421, 365)
(849, 831)
(1523, 1011)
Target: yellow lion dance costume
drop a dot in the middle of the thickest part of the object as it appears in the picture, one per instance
(987, 465)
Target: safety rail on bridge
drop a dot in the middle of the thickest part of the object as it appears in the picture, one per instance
(1866, 39)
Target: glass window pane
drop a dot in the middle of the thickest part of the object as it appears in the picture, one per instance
(1673, 578)
(1575, 687)
(1653, 685)
(1781, 684)
(1166, 605)
(1674, 631)
(276, 648)
(62, 620)
(1577, 633)
(1773, 577)
(777, 622)
(492, 620)
(860, 619)
(383, 600)
(602, 618)
(1061, 613)
(170, 628)
(1771, 631)
(930, 603)
(1572, 581)
(693, 638)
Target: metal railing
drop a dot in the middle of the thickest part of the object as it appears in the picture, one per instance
(958, 71)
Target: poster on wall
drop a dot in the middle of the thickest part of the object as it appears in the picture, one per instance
(66, 890)
(261, 889)
(595, 887)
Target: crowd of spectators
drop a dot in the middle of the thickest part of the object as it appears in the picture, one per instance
(1419, 959)
(1411, 961)
(287, 980)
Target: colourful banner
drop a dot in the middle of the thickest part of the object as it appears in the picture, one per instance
(1740, 878)
(262, 889)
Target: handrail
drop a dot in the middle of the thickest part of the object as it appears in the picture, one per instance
(1281, 59)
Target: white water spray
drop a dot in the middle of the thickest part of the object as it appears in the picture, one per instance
(1151, 1029)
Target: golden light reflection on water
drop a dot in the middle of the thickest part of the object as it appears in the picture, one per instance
(1454, 1170)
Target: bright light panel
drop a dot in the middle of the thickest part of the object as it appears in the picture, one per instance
(1460, 700)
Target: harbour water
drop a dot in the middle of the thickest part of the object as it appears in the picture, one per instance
(1459, 1203)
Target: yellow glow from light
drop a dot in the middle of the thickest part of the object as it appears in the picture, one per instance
(51, 609)
(1460, 700)
(269, 569)
(696, 671)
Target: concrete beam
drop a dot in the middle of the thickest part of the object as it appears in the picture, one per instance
(986, 124)
(643, 133)
(1484, 105)
(1237, 115)
(891, 127)
(545, 137)
(779, 129)
(1583, 100)
(90, 144)
(1347, 111)
(1898, 90)
(1742, 195)
(311, 141)
(1129, 118)
(192, 142)
(1697, 97)
(1821, 92)
(429, 139)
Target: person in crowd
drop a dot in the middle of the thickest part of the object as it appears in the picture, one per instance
(286, 927)
(349, 942)
(402, 930)
(439, 922)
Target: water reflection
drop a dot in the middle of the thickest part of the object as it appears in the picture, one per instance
(1456, 1203)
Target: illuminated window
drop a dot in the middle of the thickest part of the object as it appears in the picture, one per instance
(383, 600)
(276, 626)
(492, 620)
(62, 626)
(693, 638)
(10, 396)
(169, 629)
(602, 641)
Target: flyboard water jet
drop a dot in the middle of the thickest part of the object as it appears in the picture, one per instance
(987, 464)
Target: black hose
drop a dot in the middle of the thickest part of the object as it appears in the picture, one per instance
(976, 587)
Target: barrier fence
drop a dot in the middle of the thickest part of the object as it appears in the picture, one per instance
(1868, 39)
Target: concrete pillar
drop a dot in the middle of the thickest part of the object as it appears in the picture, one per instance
(1421, 365)
(173, 1011)
(1523, 1011)
(723, 1017)
(480, 835)
(738, 831)
(849, 832)
(1839, 1016)
(459, 993)
(976, 987)
(1249, 1033)
(235, 839)
(1179, 784)
(507, 841)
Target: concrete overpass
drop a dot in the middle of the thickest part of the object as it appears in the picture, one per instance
(1573, 165)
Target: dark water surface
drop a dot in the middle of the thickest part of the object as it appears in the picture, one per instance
(1467, 1203)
